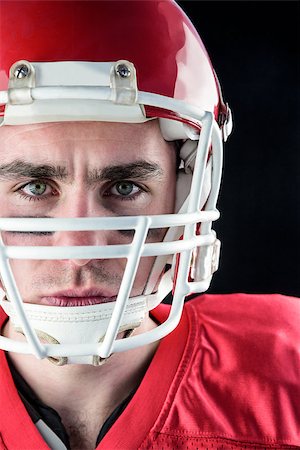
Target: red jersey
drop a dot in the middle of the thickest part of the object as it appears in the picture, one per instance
(228, 377)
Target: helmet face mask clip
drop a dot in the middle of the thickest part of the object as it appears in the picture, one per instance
(108, 84)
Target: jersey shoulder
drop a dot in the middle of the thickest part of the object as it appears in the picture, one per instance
(243, 311)
(237, 385)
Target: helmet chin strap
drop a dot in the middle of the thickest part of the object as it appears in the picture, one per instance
(82, 324)
(77, 325)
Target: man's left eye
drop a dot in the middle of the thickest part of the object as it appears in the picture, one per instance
(125, 189)
(35, 188)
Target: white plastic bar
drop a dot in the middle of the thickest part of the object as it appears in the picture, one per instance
(49, 349)
(71, 92)
(102, 223)
(105, 93)
(103, 251)
(184, 288)
(11, 345)
(126, 286)
(200, 162)
(13, 292)
(181, 290)
(217, 157)
(160, 101)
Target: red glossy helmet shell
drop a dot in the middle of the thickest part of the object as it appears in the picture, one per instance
(156, 36)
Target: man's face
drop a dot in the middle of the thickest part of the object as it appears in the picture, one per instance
(82, 169)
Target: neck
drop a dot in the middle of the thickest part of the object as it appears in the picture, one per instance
(94, 392)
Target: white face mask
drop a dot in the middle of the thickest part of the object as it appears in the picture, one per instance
(78, 340)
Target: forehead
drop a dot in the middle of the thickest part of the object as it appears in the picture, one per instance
(59, 139)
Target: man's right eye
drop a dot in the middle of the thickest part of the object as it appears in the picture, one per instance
(36, 190)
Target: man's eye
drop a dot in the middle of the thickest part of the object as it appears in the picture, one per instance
(36, 190)
(124, 189)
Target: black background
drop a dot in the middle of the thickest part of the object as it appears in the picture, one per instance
(255, 52)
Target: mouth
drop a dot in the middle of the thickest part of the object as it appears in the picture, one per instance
(78, 298)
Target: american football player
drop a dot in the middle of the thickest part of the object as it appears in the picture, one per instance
(112, 123)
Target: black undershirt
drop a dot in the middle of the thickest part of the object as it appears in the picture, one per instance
(38, 410)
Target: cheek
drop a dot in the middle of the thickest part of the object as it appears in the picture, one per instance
(25, 239)
(167, 195)
(32, 277)
(23, 273)
(142, 275)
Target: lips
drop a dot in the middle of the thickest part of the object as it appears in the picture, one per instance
(78, 298)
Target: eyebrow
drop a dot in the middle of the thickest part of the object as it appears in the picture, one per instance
(21, 168)
(141, 170)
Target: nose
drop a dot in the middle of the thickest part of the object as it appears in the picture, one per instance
(80, 238)
(80, 204)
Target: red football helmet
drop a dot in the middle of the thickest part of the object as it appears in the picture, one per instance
(116, 61)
